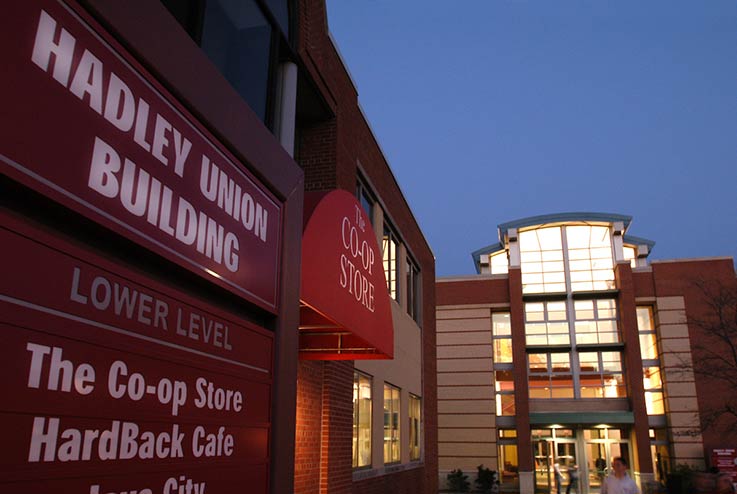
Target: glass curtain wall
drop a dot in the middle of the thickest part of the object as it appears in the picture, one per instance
(574, 344)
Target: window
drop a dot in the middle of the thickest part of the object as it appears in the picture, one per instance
(546, 323)
(361, 420)
(504, 388)
(590, 258)
(660, 453)
(499, 263)
(596, 321)
(646, 329)
(630, 254)
(550, 375)
(391, 424)
(413, 290)
(239, 39)
(601, 375)
(366, 198)
(415, 411)
(541, 256)
(508, 458)
(579, 254)
(390, 248)
(653, 390)
(501, 331)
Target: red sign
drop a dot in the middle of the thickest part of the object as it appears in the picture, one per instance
(120, 383)
(84, 124)
(346, 310)
(726, 461)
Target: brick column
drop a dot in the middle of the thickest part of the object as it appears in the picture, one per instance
(633, 366)
(308, 427)
(336, 468)
(519, 358)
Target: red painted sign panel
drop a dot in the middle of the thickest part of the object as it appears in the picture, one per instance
(120, 383)
(726, 461)
(83, 123)
(346, 310)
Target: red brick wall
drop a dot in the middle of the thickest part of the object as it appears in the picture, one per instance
(316, 154)
(679, 279)
(478, 291)
(336, 474)
(406, 482)
(307, 431)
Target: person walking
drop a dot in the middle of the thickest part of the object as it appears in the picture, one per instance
(558, 477)
(572, 479)
(619, 482)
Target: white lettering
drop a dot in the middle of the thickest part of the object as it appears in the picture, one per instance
(122, 440)
(44, 47)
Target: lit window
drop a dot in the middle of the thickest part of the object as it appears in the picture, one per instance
(550, 375)
(660, 453)
(413, 290)
(590, 258)
(501, 331)
(390, 247)
(596, 321)
(391, 424)
(601, 375)
(504, 387)
(361, 420)
(499, 263)
(630, 254)
(653, 385)
(546, 323)
(415, 411)
(508, 458)
(541, 255)
(646, 329)
(583, 253)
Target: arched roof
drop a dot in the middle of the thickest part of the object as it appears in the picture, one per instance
(557, 218)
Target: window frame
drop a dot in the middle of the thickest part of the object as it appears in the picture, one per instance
(393, 441)
(356, 441)
(413, 292)
(415, 428)
(551, 374)
(391, 242)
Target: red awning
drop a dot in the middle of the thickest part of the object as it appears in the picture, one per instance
(345, 312)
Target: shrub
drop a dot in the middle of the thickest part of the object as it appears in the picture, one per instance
(487, 480)
(458, 481)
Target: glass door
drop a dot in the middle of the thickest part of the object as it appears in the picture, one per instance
(602, 445)
(543, 451)
(596, 461)
(555, 458)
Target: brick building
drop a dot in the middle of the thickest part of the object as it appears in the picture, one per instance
(212, 278)
(570, 347)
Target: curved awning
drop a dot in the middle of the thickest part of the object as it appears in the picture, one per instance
(345, 313)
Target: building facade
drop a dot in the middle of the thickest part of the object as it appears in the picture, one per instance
(569, 348)
(212, 280)
(379, 414)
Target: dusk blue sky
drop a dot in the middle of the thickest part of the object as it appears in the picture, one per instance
(495, 110)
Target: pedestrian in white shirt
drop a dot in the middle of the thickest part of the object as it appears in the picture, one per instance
(618, 482)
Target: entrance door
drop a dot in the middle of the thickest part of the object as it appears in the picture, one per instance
(543, 450)
(551, 455)
(601, 446)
